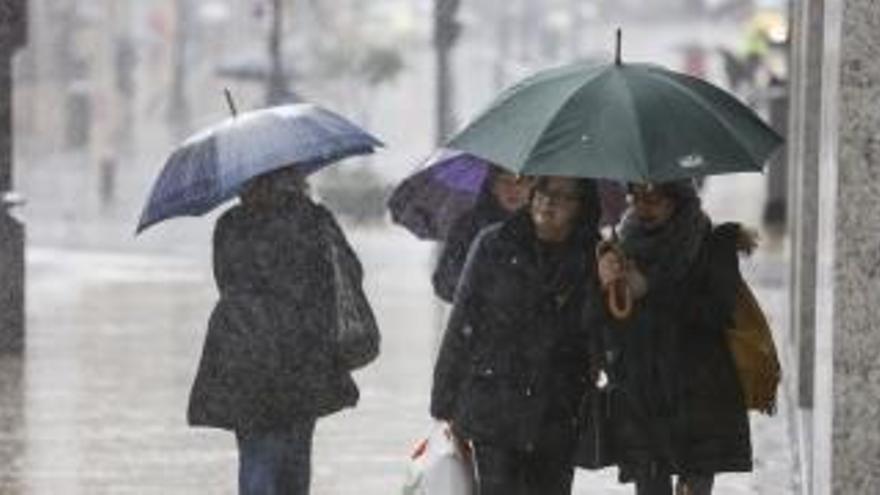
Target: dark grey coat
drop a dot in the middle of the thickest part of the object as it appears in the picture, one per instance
(270, 357)
(514, 362)
(678, 404)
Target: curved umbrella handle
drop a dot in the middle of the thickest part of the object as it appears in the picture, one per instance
(618, 299)
(618, 295)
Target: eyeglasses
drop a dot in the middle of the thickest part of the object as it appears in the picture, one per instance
(647, 199)
(556, 198)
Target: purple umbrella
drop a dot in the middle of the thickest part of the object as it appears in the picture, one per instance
(428, 202)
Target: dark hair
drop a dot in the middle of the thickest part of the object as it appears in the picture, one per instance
(590, 206)
(492, 173)
(274, 188)
(679, 191)
(486, 199)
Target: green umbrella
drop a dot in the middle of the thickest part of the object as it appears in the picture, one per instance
(630, 122)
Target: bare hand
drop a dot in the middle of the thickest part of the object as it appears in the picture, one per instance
(611, 268)
(464, 446)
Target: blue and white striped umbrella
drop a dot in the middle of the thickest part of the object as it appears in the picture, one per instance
(211, 167)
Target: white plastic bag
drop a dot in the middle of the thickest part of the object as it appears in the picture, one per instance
(440, 467)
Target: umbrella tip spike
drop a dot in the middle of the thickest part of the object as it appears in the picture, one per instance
(229, 101)
(617, 47)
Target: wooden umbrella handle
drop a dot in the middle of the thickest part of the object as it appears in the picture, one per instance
(618, 298)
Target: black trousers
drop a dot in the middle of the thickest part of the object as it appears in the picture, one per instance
(661, 484)
(503, 471)
(654, 483)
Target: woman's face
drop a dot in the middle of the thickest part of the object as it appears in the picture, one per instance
(510, 191)
(555, 208)
(651, 206)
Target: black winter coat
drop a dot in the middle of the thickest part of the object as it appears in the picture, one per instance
(461, 235)
(514, 362)
(678, 403)
(270, 357)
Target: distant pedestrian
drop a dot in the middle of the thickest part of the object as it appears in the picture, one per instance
(107, 174)
(290, 325)
(502, 194)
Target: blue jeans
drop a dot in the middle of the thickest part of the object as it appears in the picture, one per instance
(276, 462)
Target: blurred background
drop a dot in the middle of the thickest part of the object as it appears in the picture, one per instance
(105, 89)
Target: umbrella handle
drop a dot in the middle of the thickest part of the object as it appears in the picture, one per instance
(618, 299)
(618, 295)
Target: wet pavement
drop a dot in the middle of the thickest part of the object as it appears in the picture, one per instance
(98, 404)
(115, 328)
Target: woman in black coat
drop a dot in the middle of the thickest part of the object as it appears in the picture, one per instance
(514, 366)
(272, 364)
(677, 406)
(502, 194)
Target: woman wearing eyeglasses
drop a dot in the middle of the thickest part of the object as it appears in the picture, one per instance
(512, 368)
(679, 409)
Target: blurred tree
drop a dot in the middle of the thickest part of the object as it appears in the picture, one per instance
(354, 191)
(277, 89)
(332, 41)
(343, 52)
(380, 65)
(503, 28)
(179, 114)
(446, 32)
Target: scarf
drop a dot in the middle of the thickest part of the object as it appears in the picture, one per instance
(664, 254)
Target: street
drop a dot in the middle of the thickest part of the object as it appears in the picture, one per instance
(98, 405)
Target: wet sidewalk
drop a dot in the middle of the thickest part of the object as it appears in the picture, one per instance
(98, 404)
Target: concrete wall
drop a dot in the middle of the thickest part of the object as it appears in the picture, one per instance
(845, 449)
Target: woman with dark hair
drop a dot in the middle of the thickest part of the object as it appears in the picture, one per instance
(503, 193)
(678, 406)
(513, 366)
(273, 360)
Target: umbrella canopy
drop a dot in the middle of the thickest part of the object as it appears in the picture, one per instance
(211, 167)
(629, 122)
(429, 201)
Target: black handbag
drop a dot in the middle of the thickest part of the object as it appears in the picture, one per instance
(357, 334)
(594, 448)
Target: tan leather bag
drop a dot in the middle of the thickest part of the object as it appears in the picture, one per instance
(754, 352)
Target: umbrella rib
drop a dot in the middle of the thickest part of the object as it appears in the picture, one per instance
(698, 98)
(549, 122)
(643, 163)
(191, 183)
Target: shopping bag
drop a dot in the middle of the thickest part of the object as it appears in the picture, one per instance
(440, 465)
